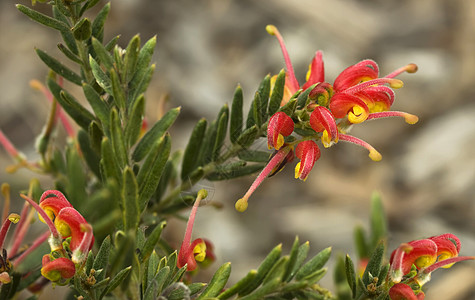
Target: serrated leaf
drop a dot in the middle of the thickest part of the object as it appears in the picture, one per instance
(374, 264)
(191, 155)
(248, 137)
(102, 54)
(235, 126)
(98, 105)
(154, 134)
(263, 269)
(58, 67)
(116, 281)
(43, 19)
(316, 263)
(149, 174)
(221, 130)
(98, 23)
(152, 240)
(101, 78)
(241, 284)
(130, 198)
(277, 93)
(217, 283)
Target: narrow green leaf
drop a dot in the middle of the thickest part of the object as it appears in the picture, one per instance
(117, 139)
(101, 78)
(289, 108)
(263, 269)
(378, 220)
(75, 110)
(91, 3)
(116, 281)
(131, 58)
(241, 284)
(248, 137)
(235, 126)
(179, 292)
(58, 67)
(155, 133)
(149, 174)
(264, 290)
(117, 90)
(98, 105)
(207, 145)
(102, 258)
(250, 121)
(302, 98)
(143, 60)
(69, 54)
(224, 174)
(82, 30)
(43, 19)
(90, 156)
(278, 270)
(350, 274)
(98, 23)
(102, 54)
(62, 8)
(221, 130)
(256, 114)
(362, 247)
(217, 283)
(67, 35)
(293, 259)
(112, 43)
(95, 136)
(374, 263)
(161, 277)
(130, 198)
(152, 240)
(134, 125)
(263, 98)
(314, 277)
(254, 155)
(316, 263)
(150, 272)
(109, 166)
(277, 93)
(383, 273)
(138, 85)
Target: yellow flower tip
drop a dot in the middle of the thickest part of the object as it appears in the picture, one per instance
(297, 170)
(411, 119)
(358, 115)
(203, 193)
(241, 205)
(14, 218)
(36, 84)
(271, 29)
(396, 83)
(424, 261)
(280, 142)
(63, 228)
(5, 190)
(375, 155)
(411, 68)
(200, 252)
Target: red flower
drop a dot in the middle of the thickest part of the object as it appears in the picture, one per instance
(402, 291)
(53, 205)
(58, 269)
(70, 223)
(322, 120)
(308, 153)
(280, 125)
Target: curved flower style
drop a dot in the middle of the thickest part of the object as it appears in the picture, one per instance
(426, 255)
(401, 291)
(198, 250)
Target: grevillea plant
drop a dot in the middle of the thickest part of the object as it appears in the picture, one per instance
(116, 181)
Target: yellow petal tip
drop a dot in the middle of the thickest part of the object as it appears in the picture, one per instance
(241, 205)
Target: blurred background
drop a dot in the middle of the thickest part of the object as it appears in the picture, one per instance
(205, 48)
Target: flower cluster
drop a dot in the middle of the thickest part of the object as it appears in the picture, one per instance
(357, 94)
(412, 263)
(71, 237)
(200, 250)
